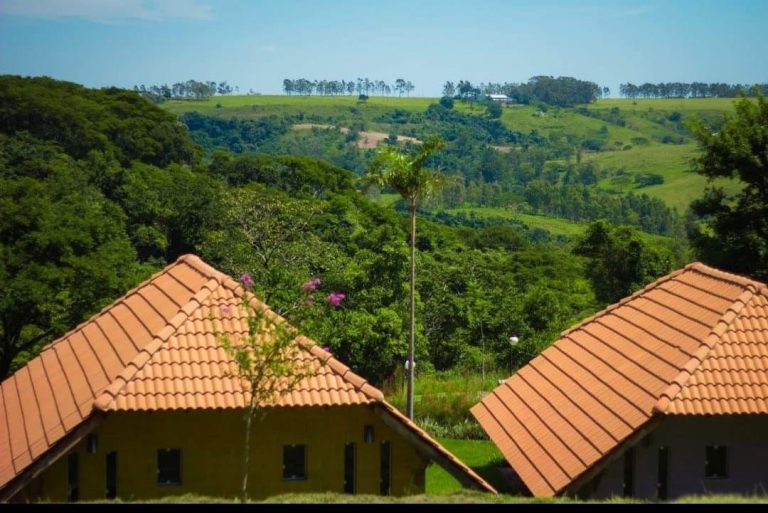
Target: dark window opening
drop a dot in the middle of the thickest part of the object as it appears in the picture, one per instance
(169, 466)
(73, 477)
(368, 434)
(111, 491)
(663, 483)
(716, 463)
(386, 468)
(294, 462)
(629, 472)
(349, 468)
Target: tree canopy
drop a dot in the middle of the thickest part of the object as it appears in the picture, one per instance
(731, 230)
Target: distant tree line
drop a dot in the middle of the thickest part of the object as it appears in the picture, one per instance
(688, 90)
(561, 91)
(189, 90)
(361, 86)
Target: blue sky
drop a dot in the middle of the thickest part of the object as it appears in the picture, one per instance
(256, 43)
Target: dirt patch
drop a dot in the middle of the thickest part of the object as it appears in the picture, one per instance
(365, 140)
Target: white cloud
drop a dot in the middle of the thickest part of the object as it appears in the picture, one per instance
(108, 11)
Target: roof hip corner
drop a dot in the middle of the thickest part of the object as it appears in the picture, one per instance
(677, 384)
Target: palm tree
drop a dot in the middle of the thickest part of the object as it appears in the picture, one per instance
(407, 175)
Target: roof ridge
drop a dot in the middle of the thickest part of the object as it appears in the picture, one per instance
(202, 266)
(725, 275)
(668, 395)
(111, 305)
(111, 391)
(636, 294)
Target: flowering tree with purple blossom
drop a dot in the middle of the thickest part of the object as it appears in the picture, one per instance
(268, 358)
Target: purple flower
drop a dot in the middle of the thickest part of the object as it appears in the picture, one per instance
(311, 285)
(310, 300)
(246, 280)
(327, 349)
(225, 309)
(335, 298)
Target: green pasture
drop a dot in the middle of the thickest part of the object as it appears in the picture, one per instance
(255, 105)
(668, 104)
(672, 161)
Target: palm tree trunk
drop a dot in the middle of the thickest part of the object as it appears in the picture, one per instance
(246, 453)
(412, 327)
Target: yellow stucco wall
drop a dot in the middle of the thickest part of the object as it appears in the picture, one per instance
(211, 442)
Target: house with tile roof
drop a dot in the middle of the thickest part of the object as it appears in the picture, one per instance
(137, 403)
(661, 395)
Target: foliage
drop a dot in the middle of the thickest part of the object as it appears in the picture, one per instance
(362, 86)
(270, 236)
(684, 89)
(443, 400)
(620, 262)
(189, 90)
(732, 232)
(493, 109)
(64, 253)
(85, 205)
(115, 122)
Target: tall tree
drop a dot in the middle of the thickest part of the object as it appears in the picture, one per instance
(731, 231)
(449, 89)
(400, 86)
(408, 175)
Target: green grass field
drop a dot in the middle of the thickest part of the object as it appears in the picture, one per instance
(672, 161)
(254, 106)
(481, 455)
(561, 121)
(668, 104)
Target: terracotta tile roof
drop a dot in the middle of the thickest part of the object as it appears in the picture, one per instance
(732, 378)
(190, 369)
(693, 342)
(155, 349)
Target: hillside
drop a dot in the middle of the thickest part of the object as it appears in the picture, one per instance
(639, 146)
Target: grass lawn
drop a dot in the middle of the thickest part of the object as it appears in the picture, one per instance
(482, 455)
